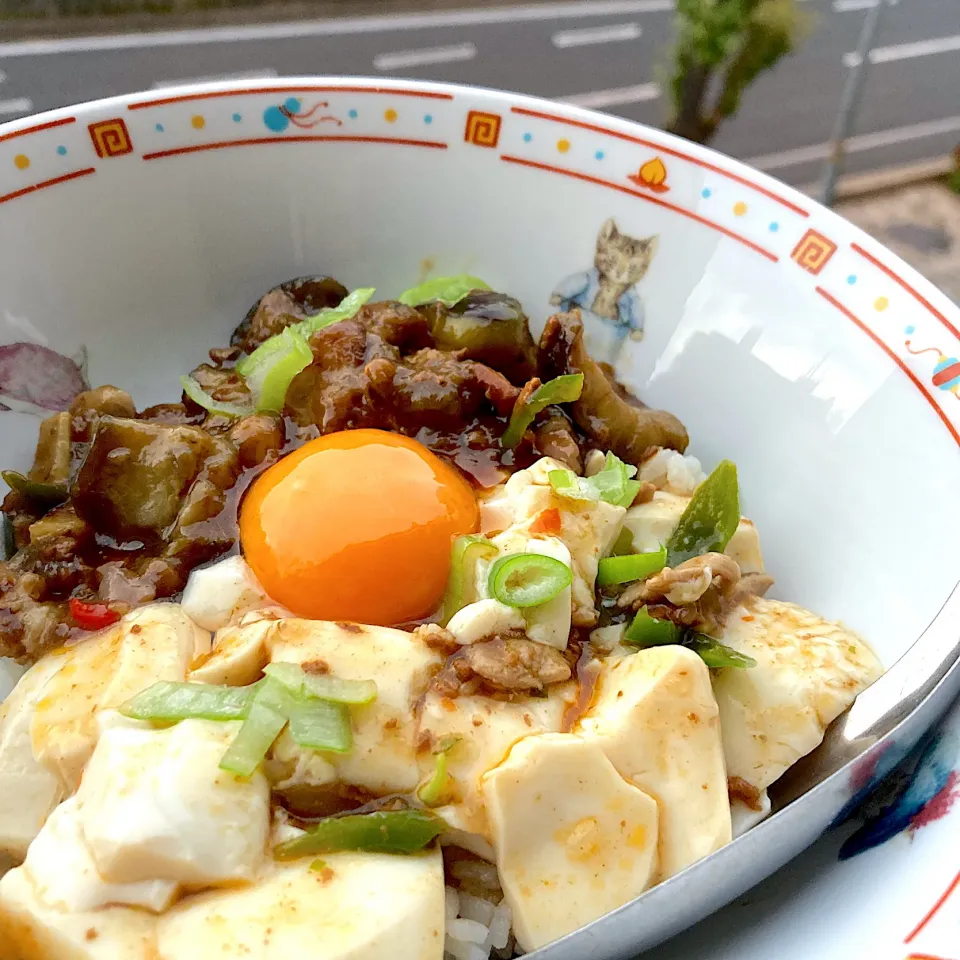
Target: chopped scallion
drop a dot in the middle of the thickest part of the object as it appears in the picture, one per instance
(323, 686)
(385, 831)
(464, 553)
(612, 484)
(710, 518)
(271, 368)
(562, 389)
(716, 654)
(320, 725)
(192, 388)
(264, 722)
(528, 579)
(635, 566)
(169, 702)
(448, 290)
(348, 307)
(431, 792)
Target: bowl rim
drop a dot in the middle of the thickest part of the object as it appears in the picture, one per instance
(890, 263)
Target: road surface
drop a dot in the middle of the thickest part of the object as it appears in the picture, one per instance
(607, 54)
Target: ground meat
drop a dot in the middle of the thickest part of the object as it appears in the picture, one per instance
(436, 637)
(555, 438)
(507, 664)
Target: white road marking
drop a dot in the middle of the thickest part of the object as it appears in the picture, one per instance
(857, 144)
(906, 51)
(13, 107)
(335, 27)
(402, 59)
(266, 74)
(615, 97)
(591, 35)
(849, 6)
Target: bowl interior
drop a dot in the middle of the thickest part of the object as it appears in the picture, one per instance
(135, 233)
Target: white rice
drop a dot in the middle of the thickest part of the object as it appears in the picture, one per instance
(673, 472)
(477, 929)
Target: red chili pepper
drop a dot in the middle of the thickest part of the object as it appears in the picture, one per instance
(548, 522)
(92, 616)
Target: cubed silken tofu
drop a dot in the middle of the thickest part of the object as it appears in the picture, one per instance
(652, 524)
(574, 840)
(33, 930)
(809, 670)
(221, 593)
(238, 653)
(656, 718)
(63, 873)
(383, 759)
(156, 642)
(154, 804)
(28, 790)
(484, 730)
(356, 906)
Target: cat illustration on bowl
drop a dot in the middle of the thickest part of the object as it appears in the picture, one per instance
(606, 295)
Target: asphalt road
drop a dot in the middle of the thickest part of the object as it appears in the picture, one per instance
(607, 54)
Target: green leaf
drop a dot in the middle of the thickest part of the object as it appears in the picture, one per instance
(448, 290)
(716, 654)
(563, 389)
(710, 519)
(612, 483)
(170, 702)
(324, 686)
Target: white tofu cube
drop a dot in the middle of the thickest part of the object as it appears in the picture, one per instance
(809, 670)
(383, 759)
(655, 716)
(64, 875)
(482, 619)
(156, 642)
(359, 906)
(154, 804)
(28, 790)
(574, 840)
(220, 594)
(484, 730)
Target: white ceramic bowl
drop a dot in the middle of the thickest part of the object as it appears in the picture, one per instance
(135, 233)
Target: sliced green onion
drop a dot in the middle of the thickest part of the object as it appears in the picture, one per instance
(612, 483)
(430, 792)
(318, 866)
(623, 544)
(647, 631)
(264, 722)
(271, 368)
(448, 290)
(348, 307)
(320, 725)
(460, 588)
(199, 396)
(385, 831)
(716, 654)
(562, 389)
(325, 687)
(528, 579)
(169, 702)
(710, 519)
(636, 566)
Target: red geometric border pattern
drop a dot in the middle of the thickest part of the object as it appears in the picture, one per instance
(482, 129)
(47, 183)
(944, 897)
(110, 138)
(40, 126)
(813, 252)
(257, 141)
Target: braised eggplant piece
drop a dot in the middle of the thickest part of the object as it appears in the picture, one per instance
(283, 305)
(486, 326)
(613, 423)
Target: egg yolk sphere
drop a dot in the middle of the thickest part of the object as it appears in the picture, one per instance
(357, 526)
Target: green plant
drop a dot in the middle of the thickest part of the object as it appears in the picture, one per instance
(722, 47)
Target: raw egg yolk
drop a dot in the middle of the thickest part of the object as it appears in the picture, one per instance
(357, 526)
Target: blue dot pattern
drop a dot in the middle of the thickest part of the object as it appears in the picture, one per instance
(159, 128)
(851, 279)
(428, 119)
(237, 118)
(352, 114)
(527, 137)
(599, 154)
(774, 227)
(62, 151)
(705, 193)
